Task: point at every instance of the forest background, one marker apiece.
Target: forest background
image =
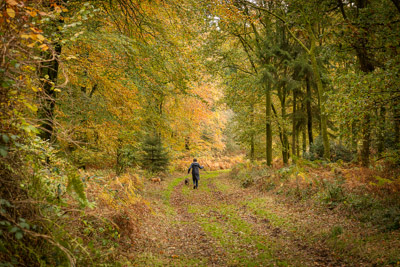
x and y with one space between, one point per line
115 92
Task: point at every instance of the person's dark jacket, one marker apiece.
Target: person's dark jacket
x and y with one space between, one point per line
195 170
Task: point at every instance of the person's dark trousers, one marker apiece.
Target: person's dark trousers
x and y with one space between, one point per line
195 183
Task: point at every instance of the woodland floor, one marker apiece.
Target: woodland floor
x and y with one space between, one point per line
223 224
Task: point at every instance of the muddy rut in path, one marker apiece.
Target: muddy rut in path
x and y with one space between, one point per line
193 241
288 246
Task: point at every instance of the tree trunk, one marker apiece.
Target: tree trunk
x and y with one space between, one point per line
304 139
268 124
187 143
252 154
294 127
321 94
366 132
354 136
285 141
309 113
49 72
298 142
285 148
397 126
381 130
252 145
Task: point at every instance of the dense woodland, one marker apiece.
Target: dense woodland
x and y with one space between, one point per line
100 97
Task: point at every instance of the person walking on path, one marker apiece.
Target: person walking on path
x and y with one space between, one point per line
195 173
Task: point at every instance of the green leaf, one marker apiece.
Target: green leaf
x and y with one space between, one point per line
19 235
14 229
5 137
5 202
3 151
5 223
24 225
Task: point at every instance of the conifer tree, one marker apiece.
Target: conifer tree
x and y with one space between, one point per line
155 157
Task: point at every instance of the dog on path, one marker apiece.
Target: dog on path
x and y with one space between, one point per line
156 180
187 181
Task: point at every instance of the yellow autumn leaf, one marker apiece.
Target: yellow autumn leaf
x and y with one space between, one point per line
32 13
10 12
12 2
34 108
24 36
44 47
40 37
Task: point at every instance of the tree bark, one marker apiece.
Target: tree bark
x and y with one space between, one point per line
354 137
381 130
321 94
366 132
294 126
268 127
304 139
397 127
252 141
309 113
285 141
49 72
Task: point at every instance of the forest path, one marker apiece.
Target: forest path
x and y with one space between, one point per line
223 224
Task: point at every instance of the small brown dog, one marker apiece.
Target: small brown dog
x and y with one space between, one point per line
187 181
156 180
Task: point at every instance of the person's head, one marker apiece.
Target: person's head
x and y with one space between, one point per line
194 160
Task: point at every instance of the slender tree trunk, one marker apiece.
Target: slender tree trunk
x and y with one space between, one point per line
381 130
366 132
268 124
294 133
252 154
285 141
49 72
321 94
298 142
396 126
285 148
304 139
187 143
354 136
252 139
309 113
119 167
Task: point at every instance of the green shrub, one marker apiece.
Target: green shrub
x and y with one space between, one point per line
332 193
366 208
338 151
31 221
126 157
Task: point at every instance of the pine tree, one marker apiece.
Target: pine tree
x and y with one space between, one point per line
155 157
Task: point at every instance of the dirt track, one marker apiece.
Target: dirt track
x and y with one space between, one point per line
222 224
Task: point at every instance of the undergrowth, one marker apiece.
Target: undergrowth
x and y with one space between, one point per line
51 214
367 197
